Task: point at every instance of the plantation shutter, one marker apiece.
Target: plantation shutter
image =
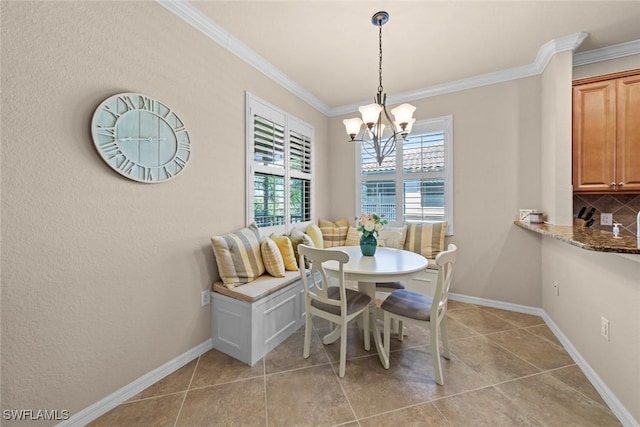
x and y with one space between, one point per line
279 173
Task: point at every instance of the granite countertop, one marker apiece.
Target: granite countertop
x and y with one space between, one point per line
586 238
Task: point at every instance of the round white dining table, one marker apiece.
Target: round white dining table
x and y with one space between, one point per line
387 265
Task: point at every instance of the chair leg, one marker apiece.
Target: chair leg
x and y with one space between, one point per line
435 352
400 330
366 322
343 349
445 337
387 337
307 335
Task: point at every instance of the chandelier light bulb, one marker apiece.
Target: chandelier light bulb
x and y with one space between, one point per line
352 126
403 113
370 113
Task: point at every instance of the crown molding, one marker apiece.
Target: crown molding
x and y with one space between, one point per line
184 10
545 54
607 53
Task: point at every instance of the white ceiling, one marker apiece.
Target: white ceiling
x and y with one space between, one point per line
330 48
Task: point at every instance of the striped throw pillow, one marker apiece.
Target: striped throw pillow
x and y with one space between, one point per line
272 258
334 233
427 238
238 256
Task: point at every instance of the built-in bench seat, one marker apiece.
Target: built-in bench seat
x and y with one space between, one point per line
259 301
250 320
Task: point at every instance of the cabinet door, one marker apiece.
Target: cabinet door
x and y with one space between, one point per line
628 134
594 134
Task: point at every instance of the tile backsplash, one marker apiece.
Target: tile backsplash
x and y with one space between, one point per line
624 208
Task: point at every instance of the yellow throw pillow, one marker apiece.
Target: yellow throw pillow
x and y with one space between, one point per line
272 258
286 250
334 233
403 233
316 235
427 238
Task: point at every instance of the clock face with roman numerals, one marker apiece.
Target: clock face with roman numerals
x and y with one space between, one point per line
140 138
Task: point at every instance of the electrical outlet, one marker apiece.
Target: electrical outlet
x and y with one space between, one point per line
556 286
205 298
606 219
605 328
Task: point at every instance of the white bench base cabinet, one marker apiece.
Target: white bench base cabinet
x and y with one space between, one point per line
423 282
247 331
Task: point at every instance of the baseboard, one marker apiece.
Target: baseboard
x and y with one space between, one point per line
497 304
103 406
607 395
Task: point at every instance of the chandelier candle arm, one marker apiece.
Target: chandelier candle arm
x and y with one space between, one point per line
375 115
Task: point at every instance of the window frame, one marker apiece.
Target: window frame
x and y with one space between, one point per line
439 124
290 123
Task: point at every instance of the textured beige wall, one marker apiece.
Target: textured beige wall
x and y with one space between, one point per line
592 284
557 192
595 284
496 133
101 276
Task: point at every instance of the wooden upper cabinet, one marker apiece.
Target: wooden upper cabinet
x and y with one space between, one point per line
606 135
628 135
594 133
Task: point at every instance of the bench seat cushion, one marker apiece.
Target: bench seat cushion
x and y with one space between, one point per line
259 288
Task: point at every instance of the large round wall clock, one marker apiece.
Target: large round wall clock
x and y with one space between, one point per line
140 138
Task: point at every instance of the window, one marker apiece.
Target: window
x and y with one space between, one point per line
279 167
414 183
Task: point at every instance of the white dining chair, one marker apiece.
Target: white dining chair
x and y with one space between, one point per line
336 304
425 311
389 239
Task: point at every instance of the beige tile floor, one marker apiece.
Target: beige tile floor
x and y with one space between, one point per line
506 369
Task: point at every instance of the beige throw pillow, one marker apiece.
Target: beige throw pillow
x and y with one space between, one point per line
272 258
353 237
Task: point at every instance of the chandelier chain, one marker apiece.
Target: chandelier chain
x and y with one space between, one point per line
380 89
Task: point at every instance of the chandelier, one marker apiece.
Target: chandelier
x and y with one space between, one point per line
380 134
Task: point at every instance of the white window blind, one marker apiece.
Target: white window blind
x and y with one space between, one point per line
414 183
279 169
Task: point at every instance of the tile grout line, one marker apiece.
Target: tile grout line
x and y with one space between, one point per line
225 383
266 396
187 392
541 372
353 412
516 404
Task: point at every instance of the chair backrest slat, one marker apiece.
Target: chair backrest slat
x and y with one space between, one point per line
316 288
445 261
